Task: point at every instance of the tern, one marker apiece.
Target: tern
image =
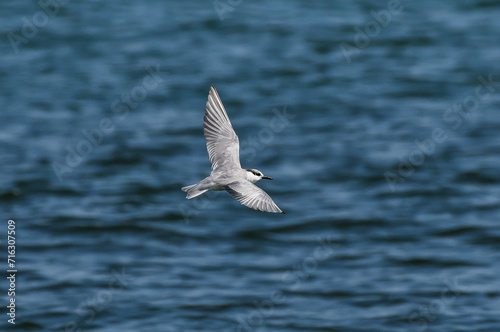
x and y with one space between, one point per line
224 151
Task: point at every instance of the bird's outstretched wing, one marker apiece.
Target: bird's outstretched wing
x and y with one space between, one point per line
252 196
222 143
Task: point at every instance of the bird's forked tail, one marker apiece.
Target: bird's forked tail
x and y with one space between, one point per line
193 190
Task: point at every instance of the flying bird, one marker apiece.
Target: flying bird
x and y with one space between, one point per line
224 151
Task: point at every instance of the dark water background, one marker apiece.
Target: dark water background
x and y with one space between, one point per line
385 154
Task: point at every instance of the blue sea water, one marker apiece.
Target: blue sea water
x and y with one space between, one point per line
378 121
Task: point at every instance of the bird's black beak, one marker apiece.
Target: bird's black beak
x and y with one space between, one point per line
267 178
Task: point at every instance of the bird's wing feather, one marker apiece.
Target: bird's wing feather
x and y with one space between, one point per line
252 196
222 143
